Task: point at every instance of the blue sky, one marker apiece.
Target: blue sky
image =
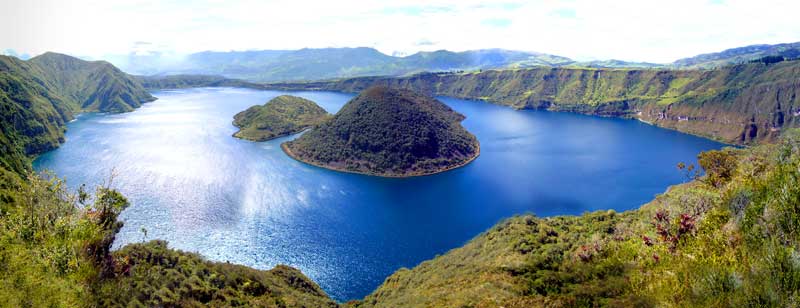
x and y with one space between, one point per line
635 30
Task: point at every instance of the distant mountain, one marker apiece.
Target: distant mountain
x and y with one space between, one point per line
38 97
388 132
617 64
192 81
281 116
328 63
740 55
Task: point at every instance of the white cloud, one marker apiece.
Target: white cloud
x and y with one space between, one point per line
656 31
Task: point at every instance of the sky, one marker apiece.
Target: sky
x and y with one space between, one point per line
632 30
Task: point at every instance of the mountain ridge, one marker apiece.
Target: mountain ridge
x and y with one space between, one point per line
39 96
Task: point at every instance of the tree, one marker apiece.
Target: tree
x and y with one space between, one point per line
719 166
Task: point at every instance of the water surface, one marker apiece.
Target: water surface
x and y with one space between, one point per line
202 190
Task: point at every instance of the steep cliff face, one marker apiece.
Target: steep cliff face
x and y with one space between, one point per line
739 104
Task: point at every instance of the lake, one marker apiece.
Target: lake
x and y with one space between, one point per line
192 184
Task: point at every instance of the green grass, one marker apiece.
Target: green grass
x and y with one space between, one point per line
727 239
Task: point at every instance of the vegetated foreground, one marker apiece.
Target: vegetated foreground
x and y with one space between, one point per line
388 132
726 239
281 116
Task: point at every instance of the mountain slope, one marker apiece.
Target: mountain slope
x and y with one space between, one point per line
388 132
95 86
38 97
728 239
281 116
740 104
32 116
739 55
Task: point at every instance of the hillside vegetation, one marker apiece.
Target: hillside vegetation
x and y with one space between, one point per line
55 243
741 104
727 239
38 97
281 116
55 252
388 132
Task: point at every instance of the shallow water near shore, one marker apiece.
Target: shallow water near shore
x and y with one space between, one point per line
191 183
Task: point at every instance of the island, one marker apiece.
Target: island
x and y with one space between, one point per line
388 132
281 116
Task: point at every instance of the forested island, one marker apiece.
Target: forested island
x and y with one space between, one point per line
388 132
281 116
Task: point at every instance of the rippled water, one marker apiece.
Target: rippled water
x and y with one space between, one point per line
194 185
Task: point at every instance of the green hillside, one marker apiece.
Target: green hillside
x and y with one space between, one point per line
94 86
727 239
741 104
37 98
388 132
281 116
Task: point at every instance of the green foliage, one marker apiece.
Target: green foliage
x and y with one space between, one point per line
48 242
55 252
388 132
150 274
719 166
281 116
735 243
38 97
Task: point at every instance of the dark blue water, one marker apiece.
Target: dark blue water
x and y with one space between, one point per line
194 185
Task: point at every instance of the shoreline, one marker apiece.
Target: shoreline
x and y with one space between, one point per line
289 153
268 139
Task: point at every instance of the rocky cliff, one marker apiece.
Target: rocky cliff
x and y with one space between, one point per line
740 104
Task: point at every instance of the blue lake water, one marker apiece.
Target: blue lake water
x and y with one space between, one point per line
202 190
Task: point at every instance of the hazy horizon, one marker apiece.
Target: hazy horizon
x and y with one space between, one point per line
647 31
